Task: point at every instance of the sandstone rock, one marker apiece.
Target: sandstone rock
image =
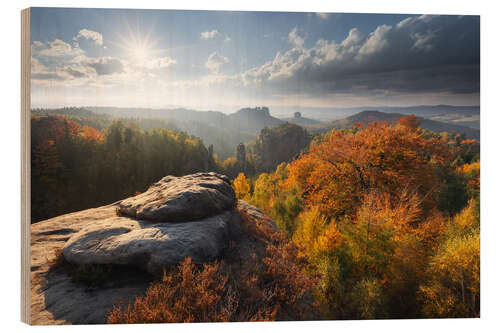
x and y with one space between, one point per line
146 245
255 213
179 199
55 298
99 236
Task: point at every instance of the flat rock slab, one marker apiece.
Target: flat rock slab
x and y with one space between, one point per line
146 245
180 199
56 299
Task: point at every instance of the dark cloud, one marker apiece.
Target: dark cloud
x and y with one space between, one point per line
105 66
74 73
419 54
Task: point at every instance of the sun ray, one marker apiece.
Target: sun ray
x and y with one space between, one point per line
138 47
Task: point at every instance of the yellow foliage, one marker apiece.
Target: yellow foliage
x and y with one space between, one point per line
241 186
472 168
467 218
262 193
315 233
454 286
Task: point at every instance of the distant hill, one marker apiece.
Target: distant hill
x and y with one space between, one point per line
247 120
366 117
457 115
69 111
297 119
468 116
180 114
428 111
252 120
215 128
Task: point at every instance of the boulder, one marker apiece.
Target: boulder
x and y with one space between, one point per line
180 199
200 225
255 213
146 245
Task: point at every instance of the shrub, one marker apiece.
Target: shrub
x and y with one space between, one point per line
186 294
273 287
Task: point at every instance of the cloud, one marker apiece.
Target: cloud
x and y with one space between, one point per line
159 63
214 34
80 70
215 62
424 53
37 44
74 73
323 16
210 34
37 66
295 39
48 76
58 63
419 57
41 73
104 65
56 48
90 35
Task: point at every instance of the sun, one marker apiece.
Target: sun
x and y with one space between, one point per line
139 52
138 47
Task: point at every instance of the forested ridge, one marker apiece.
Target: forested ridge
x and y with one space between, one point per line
388 217
81 159
379 220
76 166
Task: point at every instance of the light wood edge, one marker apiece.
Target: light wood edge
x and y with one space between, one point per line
25 166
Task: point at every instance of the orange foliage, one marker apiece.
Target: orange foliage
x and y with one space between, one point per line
188 294
92 134
405 218
59 126
472 173
337 173
410 122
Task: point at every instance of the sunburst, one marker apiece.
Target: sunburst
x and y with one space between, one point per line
138 47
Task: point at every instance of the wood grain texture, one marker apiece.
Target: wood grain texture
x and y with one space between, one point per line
25 165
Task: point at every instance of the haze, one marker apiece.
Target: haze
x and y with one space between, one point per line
216 60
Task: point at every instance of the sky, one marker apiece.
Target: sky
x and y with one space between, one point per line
222 60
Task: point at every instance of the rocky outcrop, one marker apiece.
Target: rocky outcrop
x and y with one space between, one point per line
177 199
105 235
279 144
146 245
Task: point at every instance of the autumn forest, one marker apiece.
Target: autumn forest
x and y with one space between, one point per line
238 166
380 220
